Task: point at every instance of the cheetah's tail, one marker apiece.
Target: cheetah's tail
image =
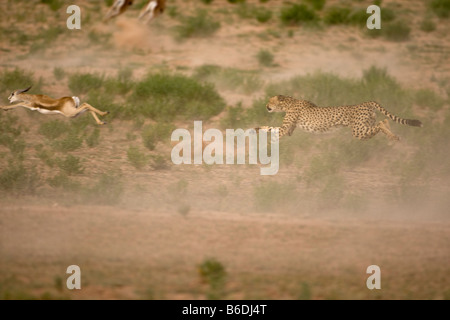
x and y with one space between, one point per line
409 122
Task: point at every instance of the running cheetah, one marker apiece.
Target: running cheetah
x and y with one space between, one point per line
306 115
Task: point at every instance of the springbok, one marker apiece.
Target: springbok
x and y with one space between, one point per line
67 106
119 7
153 9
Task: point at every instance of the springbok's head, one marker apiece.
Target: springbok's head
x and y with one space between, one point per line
15 95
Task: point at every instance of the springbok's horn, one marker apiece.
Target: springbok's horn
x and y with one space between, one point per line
24 90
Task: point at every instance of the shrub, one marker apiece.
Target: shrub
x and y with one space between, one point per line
168 96
263 15
54 5
16 178
427 25
207 1
159 162
71 165
316 4
83 83
71 142
427 98
337 15
18 79
265 58
441 8
151 134
396 31
296 14
59 73
199 25
213 273
53 129
137 158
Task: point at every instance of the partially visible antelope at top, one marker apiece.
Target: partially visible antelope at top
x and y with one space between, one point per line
152 9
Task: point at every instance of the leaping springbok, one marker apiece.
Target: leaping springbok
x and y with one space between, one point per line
67 106
119 7
152 9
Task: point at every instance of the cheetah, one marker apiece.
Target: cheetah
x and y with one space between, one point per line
309 117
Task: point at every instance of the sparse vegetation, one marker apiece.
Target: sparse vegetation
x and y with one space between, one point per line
396 31
137 158
441 8
198 25
265 58
213 273
296 14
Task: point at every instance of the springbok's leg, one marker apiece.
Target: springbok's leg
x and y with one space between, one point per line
13 106
93 111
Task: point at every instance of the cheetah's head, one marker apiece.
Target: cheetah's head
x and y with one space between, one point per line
277 104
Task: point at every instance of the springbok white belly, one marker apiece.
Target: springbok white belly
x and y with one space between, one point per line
45 111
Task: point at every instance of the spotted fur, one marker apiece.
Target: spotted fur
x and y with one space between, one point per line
309 117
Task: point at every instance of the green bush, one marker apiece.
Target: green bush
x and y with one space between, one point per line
71 165
337 15
11 80
59 73
427 25
207 1
53 129
151 134
137 158
71 142
16 178
427 98
316 4
441 8
199 25
265 58
263 15
165 96
396 31
214 274
82 83
296 14
54 5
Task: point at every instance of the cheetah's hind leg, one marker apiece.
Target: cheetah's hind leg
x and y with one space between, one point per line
386 129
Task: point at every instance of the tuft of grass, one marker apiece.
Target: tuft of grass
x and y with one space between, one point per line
82 83
11 80
71 165
265 58
137 158
167 97
54 5
427 25
213 273
207 1
53 129
93 139
64 182
316 4
441 8
17 179
396 31
197 26
71 142
151 134
159 162
296 14
337 15
59 73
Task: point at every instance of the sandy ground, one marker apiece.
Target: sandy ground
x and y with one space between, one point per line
148 251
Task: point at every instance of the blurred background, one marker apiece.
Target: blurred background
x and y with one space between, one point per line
110 200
